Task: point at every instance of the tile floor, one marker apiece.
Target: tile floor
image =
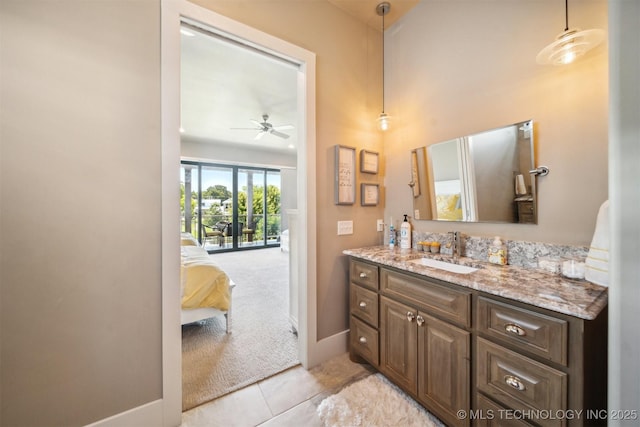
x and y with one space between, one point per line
286 399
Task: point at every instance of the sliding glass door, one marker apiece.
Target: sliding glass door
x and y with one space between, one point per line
231 207
259 207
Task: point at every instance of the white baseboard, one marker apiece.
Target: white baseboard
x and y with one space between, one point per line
149 414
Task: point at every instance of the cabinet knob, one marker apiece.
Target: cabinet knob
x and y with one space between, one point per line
512 328
420 320
410 316
363 340
363 304
514 382
363 275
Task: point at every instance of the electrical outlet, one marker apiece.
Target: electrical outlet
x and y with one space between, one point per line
345 227
380 225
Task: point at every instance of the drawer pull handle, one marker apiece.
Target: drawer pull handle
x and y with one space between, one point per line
420 320
514 382
363 304
410 316
515 329
363 275
363 340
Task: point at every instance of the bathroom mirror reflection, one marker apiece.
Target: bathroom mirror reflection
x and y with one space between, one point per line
482 177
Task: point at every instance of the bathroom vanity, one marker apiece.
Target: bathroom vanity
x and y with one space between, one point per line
480 344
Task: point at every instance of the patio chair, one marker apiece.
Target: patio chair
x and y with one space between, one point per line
249 230
214 233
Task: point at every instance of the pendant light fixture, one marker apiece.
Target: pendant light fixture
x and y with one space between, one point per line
570 44
383 120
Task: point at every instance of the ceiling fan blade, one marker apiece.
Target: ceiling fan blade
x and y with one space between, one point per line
283 127
260 129
259 136
255 122
280 134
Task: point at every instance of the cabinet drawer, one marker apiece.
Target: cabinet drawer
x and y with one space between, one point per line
364 304
528 330
491 414
526 212
364 274
519 382
364 340
444 302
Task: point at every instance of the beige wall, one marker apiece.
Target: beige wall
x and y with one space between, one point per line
348 101
458 67
80 192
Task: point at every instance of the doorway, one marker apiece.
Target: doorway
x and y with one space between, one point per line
173 13
232 206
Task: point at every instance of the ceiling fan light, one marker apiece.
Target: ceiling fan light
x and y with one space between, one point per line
570 45
383 121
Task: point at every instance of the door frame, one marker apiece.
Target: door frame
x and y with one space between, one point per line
173 12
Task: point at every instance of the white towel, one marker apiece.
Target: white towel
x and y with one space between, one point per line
521 189
597 263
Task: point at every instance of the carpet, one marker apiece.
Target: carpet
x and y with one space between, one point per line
374 401
261 343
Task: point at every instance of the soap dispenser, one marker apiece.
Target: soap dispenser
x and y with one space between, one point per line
498 252
405 234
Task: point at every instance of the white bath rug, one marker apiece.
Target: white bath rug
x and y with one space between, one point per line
374 401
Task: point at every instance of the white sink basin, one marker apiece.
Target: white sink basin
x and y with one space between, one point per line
443 265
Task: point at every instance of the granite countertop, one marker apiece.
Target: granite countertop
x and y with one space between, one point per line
578 298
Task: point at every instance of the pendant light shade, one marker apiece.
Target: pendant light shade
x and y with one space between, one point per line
570 44
383 119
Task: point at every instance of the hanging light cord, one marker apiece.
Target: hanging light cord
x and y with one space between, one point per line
566 15
383 13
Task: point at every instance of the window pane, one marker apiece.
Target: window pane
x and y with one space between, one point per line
251 206
217 207
274 212
189 199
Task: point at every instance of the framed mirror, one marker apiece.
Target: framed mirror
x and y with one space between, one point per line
482 177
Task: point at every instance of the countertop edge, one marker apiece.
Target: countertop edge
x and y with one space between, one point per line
581 299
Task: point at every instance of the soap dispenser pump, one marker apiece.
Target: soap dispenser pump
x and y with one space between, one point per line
405 234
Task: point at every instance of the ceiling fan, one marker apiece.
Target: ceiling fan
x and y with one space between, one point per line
265 127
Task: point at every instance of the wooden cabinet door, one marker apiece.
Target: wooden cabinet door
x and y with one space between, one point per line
398 343
443 368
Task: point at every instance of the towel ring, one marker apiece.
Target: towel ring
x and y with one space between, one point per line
540 171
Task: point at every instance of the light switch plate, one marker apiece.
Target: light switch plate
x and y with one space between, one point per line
345 227
379 225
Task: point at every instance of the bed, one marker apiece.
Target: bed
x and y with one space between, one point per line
205 289
448 203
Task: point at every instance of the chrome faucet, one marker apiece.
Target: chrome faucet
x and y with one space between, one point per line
455 243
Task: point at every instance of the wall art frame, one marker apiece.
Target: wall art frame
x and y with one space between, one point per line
369 161
369 194
345 175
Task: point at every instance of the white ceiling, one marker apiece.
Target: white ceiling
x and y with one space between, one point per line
225 85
